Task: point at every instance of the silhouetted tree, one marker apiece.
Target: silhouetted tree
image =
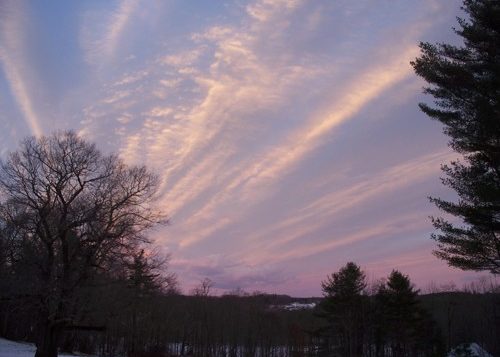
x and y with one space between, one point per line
147 280
203 288
465 82
342 308
399 313
403 327
73 214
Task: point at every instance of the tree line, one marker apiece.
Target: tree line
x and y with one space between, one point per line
139 317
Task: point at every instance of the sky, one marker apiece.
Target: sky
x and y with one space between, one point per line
286 133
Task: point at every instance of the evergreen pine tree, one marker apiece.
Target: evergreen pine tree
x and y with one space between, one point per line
343 310
398 302
143 279
403 326
145 282
465 82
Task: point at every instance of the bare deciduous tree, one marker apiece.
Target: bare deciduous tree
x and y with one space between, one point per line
72 213
203 288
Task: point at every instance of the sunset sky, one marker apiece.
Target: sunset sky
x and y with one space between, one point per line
286 132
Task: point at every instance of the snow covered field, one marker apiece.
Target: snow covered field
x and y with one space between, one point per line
19 349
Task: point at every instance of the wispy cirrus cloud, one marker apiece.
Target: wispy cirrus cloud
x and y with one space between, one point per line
399 225
235 85
13 55
250 179
206 104
101 41
267 10
312 216
118 23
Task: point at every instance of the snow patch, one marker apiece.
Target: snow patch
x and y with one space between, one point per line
299 306
20 349
469 350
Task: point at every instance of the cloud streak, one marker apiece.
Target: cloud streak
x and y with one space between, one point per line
196 143
273 165
310 218
100 47
12 56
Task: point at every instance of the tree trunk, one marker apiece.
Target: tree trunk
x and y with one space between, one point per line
48 339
